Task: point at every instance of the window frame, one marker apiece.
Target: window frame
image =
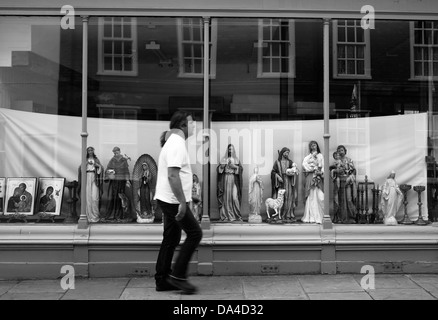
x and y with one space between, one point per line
412 46
213 49
101 69
292 47
367 52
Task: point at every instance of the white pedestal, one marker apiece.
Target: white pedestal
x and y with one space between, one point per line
255 218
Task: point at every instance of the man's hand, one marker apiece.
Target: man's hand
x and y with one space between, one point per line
182 208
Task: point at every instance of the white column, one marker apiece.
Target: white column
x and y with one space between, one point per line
431 134
205 223
327 222
83 221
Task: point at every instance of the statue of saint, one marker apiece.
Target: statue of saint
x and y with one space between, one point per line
196 203
93 185
313 168
144 180
284 175
345 189
255 195
229 186
392 199
117 173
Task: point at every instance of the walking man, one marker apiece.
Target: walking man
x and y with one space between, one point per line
173 194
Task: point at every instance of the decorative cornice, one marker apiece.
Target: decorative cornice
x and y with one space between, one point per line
401 9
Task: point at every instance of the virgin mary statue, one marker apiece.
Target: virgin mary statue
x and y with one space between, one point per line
229 186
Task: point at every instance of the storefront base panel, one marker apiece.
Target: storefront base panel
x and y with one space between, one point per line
128 269
388 267
40 251
266 267
31 270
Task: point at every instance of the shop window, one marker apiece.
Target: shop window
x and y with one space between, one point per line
424 49
276 48
117 47
191 47
351 50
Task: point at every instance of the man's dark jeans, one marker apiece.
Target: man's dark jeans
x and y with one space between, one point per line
171 239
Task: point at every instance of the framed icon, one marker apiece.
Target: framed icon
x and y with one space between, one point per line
20 196
50 194
2 195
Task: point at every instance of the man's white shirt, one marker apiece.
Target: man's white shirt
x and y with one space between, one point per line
174 154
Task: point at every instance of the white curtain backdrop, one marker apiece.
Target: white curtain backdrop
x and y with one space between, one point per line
42 145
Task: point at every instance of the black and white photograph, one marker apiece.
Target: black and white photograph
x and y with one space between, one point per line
262 150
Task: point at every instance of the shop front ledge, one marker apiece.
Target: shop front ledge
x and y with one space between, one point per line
222 234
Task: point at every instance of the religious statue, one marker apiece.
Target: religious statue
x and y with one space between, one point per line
392 199
345 189
229 186
93 185
196 203
255 196
144 180
313 168
118 176
284 175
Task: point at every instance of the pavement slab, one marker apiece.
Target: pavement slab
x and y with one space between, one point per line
5 286
273 288
428 282
149 294
213 297
400 294
97 289
390 281
218 285
32 296
340 296
146 282
38 286
332 283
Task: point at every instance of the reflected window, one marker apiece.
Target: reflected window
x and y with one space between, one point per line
191 47
424 49
276 48
117 46
351 50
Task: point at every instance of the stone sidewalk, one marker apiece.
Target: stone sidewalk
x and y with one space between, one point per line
281 287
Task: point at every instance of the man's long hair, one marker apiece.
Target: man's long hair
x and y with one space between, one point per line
178 120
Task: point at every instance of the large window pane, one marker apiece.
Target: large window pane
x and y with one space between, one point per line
40 95
130 110
386 111
268 84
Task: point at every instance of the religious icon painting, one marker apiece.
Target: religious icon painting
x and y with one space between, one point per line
2 195
50 194
20 195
